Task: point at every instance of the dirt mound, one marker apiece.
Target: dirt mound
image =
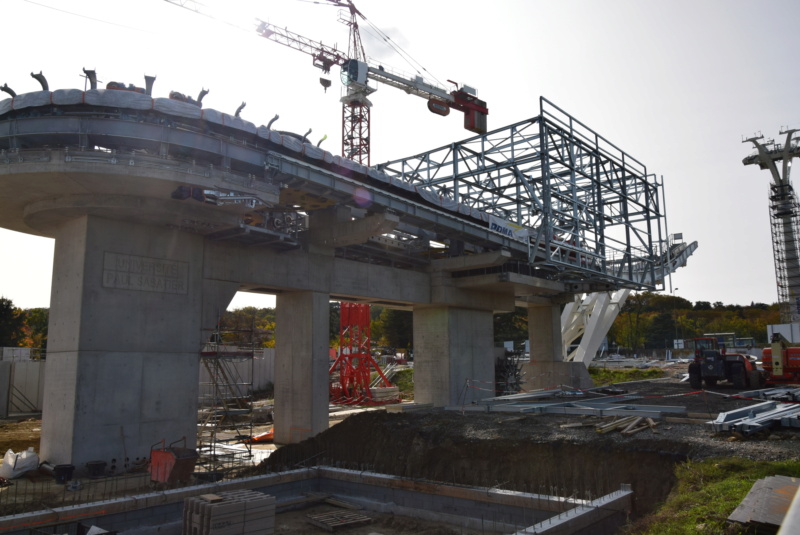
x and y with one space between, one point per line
490 451
534 452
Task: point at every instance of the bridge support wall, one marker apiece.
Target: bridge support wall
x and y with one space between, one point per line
125 322
547 368
453 355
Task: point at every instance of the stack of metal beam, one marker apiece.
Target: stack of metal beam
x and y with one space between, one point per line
755 418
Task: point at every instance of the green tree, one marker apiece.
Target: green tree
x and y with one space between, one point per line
248 325
630 329
511 326
37 320
12 324
661 331
334 325
394 328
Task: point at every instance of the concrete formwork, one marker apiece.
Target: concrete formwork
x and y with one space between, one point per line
468 507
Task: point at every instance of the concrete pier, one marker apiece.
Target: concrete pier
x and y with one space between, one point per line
301 365
122 360
453 356
547 368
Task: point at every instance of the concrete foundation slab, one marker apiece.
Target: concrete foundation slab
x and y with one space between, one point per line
471 507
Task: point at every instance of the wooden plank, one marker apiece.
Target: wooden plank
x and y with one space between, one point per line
633 424
616 424
336 519
342 503
577 424
632 431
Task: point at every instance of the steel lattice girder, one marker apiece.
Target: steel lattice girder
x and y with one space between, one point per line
587 204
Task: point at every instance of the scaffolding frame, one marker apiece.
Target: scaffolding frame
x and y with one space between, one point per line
350 374
784 212
226 401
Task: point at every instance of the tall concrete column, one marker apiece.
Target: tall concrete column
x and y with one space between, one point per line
453 355
547 368
301 365
123 345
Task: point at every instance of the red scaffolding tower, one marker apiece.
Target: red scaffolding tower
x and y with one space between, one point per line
351 371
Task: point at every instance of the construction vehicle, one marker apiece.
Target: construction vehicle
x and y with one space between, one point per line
781 363
713 364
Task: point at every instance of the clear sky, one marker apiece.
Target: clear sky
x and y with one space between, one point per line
675 84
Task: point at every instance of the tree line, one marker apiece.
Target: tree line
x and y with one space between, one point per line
22 327
653 321
647 321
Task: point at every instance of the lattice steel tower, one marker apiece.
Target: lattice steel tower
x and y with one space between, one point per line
784 211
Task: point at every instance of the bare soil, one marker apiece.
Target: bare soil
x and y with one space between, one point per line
20 434
535 453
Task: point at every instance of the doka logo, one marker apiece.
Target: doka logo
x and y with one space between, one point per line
501 230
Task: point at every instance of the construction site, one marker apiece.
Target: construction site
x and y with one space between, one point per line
163 209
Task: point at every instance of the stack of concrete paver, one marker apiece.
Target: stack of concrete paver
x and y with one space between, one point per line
237 512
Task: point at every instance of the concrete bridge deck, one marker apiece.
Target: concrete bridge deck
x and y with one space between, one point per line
162 211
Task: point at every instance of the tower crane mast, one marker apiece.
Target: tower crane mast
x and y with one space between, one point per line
356 72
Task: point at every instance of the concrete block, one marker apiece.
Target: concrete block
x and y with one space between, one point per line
236 512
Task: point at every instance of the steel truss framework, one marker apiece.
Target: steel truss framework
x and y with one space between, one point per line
784 211
588 206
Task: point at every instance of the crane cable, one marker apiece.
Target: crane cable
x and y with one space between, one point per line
414 64
372 29
380 35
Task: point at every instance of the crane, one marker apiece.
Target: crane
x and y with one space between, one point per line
784 215
356 72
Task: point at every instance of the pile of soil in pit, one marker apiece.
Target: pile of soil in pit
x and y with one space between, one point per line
521 453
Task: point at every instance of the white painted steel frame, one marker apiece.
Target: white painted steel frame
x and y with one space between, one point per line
592 210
